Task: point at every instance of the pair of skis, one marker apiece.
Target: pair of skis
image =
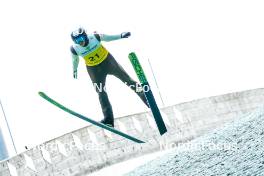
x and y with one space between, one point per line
149 95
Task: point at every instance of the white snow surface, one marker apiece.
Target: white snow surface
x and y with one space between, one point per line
235 149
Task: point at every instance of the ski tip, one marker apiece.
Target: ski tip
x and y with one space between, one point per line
41 93
132 54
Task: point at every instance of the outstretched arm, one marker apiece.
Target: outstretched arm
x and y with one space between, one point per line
75 62
108 38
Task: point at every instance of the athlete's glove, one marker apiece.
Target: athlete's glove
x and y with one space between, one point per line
75 74
125 34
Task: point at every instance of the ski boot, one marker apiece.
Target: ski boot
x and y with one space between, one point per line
108 123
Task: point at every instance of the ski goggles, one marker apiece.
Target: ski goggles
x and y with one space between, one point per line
79 35
79 39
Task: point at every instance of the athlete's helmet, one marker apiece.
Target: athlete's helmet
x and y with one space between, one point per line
79 36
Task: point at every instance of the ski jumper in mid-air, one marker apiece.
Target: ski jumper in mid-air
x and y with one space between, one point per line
99 63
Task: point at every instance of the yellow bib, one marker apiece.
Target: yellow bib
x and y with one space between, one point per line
96 57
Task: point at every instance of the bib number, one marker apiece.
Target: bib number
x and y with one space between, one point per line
93 58
96 57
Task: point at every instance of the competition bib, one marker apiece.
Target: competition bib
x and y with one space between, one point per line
96 57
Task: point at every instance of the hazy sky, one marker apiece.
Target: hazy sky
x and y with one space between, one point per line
197 49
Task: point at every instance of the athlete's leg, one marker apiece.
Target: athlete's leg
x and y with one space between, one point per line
118 71
98 77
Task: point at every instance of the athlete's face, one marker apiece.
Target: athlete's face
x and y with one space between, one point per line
80 40
82 43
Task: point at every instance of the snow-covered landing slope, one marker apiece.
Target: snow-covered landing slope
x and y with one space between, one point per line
236 149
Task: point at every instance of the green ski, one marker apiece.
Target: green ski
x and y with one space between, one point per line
113 130
149 95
